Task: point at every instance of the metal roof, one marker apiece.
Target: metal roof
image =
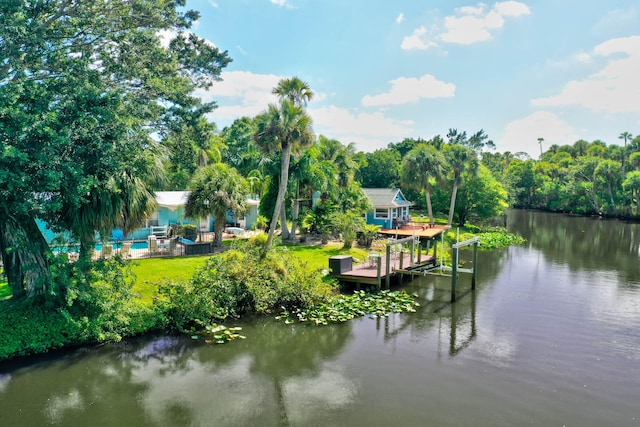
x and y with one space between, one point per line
386 197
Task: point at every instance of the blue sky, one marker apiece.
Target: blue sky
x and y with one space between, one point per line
562 70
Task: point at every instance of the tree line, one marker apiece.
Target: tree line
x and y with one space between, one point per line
97 111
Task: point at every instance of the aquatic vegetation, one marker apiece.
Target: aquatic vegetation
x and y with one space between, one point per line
499 240
221 334
347 307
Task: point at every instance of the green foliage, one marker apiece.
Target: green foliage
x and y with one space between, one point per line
380 169
346 307
78 141
221 334
347 224
499 239
367 235
242 281
190 231
97 309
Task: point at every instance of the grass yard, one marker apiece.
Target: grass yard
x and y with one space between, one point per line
317 257
151 272
5 290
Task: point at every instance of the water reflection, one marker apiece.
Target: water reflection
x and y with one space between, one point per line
549 337
582 243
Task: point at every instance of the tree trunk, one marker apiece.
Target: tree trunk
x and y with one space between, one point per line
296 210
284 177
427 195
452 206
24 255
283 222
218 229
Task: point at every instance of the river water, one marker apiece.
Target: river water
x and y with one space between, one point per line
550 337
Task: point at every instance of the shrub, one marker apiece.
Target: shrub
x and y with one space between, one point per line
240 281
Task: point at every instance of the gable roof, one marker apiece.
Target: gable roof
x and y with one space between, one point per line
386 197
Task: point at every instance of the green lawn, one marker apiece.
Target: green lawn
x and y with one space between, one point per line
317 257
5 291
151 272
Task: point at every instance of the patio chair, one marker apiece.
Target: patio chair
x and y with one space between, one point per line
107 251
153 244
125 251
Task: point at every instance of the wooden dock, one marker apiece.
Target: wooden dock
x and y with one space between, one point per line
423 231
379 268
374 271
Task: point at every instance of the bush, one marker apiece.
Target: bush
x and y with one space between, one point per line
81 308
189 231
240 281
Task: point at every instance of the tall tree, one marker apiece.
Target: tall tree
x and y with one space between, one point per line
83 86
420 166
624 136
460 159
287 128
216 190
299 93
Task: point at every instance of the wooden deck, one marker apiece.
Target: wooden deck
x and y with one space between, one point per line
424 231
367 272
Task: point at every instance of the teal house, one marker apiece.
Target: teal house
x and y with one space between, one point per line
390 207
171 211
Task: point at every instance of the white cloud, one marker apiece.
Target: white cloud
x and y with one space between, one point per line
279 2
400 18
212 3
241 93
613 89
410 89
523 134
417 40
369 131
511 8
468 25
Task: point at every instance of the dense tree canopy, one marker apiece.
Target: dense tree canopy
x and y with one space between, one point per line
87 92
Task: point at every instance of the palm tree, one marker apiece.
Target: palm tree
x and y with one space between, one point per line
419 166
123 201
288 128
299 93
626 136
540 141
460 159
295 90
215 190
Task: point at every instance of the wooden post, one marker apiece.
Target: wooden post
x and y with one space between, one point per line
411 252
387 279
378 271
454 274
419 253
401 263
435 249
475 263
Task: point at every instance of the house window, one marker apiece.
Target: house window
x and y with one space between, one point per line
152 220
381 214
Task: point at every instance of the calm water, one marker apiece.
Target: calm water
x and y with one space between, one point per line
551 337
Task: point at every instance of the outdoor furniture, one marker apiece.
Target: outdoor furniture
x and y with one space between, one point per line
125 251
373 258
107 250
153 244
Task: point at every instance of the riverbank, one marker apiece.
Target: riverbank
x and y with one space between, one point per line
132 298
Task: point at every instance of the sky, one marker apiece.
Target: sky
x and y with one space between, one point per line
382 71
